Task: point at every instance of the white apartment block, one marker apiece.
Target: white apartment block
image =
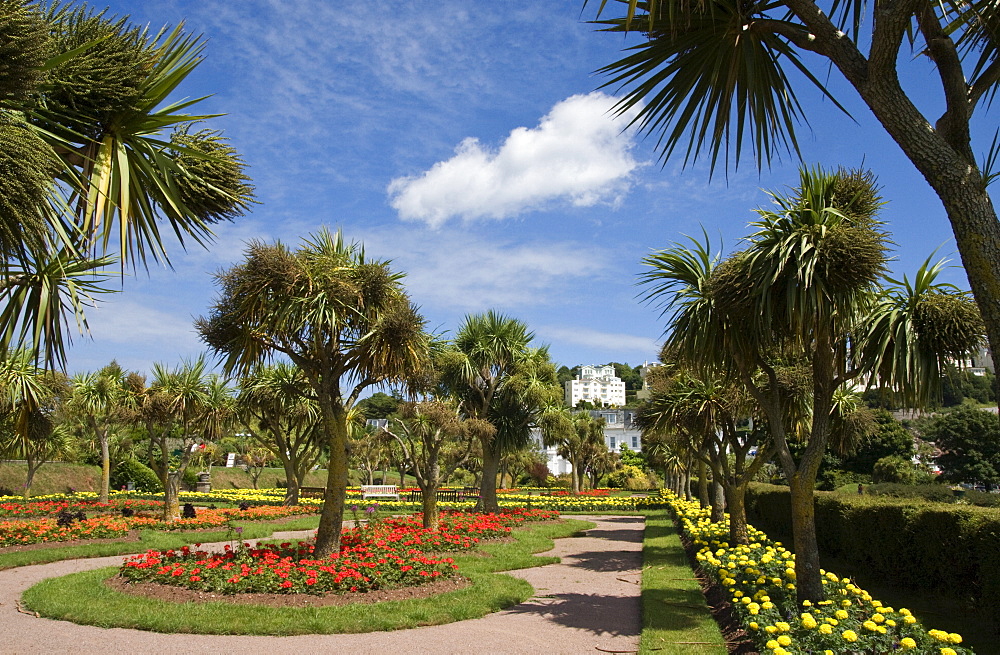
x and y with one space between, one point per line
596 384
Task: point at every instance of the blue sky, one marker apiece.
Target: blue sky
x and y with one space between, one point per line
467 142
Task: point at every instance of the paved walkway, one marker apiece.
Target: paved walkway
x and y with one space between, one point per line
587 603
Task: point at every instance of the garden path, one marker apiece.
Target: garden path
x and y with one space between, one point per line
587 603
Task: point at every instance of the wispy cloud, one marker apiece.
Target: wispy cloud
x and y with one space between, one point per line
576 155
606 341
127 323
472 272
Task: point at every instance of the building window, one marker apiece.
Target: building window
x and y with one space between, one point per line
611 442
635 442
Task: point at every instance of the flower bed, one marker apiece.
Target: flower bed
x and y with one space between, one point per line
761 579
384 554
45 530
37 508
23 533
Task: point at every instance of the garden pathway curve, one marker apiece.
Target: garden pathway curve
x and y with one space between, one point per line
587 603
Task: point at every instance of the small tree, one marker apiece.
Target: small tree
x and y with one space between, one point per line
570 434
423 430
345 321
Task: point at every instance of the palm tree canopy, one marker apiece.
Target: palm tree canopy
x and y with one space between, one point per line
325 305
717 76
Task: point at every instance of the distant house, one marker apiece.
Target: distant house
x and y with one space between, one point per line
646 391
619 430
598 385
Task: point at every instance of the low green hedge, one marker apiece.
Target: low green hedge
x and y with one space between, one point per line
951 549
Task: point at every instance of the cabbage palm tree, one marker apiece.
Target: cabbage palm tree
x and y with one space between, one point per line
275 405
571 434
804 295
99 162
498 377
98 399
29 399
344 320
712 77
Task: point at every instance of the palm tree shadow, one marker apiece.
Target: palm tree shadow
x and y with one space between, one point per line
605 561
599 614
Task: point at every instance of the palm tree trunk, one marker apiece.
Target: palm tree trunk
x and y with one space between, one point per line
718 501
332 516
102 435
736 501
703 498
171 497
488 494
429 486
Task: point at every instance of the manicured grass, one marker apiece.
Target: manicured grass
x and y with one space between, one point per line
82 598
153 540
675 617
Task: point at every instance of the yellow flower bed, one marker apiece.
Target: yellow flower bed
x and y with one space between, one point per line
761 580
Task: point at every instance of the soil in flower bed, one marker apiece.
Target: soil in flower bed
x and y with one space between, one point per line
133 535
172 594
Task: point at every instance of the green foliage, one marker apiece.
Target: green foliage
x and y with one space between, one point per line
929 546
628 477
141 476
891 438
379 405
957 385
630 457
894 469
970 444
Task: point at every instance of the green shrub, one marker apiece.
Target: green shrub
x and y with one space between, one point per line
934 493
628 477
894 468
141 476
902 541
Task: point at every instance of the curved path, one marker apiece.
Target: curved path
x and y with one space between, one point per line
587 603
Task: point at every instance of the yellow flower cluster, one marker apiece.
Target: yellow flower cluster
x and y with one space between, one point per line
761 580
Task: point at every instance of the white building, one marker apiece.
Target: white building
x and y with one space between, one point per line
646 392
619 430
597 385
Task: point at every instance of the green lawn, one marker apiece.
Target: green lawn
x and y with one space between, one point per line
675 617
82 598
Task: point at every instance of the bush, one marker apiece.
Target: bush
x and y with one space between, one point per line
894 469
141 476
628 477
935 493
947 549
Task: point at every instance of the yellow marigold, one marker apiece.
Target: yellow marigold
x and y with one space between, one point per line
808 622
841 614
772 644
849 635
770 629
905 612
781 625
907 642
785 640
753 625
826 629
909 619
955 638
948 651
878 618
768 605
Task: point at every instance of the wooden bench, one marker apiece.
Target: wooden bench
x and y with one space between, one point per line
379 491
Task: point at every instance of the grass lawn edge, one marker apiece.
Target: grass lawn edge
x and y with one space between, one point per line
83 598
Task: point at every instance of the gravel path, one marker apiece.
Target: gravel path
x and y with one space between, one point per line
587 603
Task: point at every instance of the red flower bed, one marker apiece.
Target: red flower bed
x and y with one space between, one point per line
389 553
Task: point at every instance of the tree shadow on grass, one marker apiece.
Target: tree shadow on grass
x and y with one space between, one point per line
596 613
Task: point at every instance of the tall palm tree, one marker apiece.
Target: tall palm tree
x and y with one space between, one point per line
29 399
344 320
98 160
803 292
194 401
710 77
498 377
275 405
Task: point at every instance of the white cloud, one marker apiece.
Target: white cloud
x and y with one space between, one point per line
577 154
127 323
471 273
606 341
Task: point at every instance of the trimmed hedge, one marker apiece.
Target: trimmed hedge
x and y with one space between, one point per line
946 548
